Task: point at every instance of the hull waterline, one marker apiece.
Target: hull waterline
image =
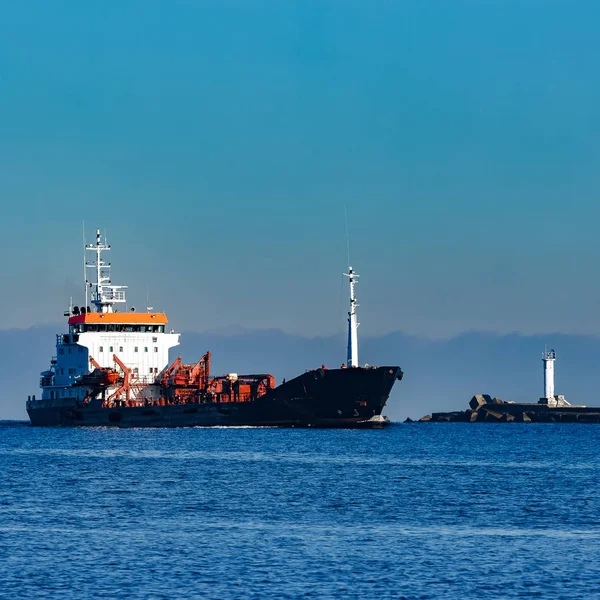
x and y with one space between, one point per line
320 398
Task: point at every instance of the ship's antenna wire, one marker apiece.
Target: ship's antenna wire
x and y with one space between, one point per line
84 269
352 357
342 282
342 304
347 235
148 307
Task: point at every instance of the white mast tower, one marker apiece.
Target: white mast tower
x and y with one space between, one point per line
548 358
352 322
105 295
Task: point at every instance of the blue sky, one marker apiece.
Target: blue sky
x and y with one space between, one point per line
218 143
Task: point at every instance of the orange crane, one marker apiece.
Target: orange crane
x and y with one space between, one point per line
169 370
200 372
126 386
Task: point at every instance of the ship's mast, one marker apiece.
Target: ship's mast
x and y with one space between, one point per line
352 322
105 294
85 283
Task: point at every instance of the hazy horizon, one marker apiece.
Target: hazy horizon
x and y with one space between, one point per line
439 374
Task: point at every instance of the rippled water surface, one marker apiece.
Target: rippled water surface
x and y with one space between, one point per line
417 511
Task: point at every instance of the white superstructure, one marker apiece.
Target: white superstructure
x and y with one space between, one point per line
133 345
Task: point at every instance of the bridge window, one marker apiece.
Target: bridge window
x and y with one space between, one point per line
110 348
120 348
145 348
101 348
155 348
118 327
135 349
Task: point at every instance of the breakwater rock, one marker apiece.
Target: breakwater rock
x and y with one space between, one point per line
486 409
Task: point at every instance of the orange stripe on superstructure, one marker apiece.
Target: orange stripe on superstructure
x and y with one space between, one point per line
124 318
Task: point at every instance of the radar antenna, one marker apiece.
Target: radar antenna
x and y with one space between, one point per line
105 294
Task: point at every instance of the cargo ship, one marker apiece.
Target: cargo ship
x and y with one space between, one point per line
112 368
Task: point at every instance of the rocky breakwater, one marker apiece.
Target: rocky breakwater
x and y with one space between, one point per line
485 409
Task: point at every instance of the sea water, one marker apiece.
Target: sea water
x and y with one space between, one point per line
430 510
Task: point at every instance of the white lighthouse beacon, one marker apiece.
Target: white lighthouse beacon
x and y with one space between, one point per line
548 358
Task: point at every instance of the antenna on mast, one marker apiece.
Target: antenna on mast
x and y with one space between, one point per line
85 285
347 236
106 294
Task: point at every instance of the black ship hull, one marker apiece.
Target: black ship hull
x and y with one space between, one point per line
319 398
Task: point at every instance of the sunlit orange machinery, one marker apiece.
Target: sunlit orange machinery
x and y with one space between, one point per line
185 383
192 383
240 388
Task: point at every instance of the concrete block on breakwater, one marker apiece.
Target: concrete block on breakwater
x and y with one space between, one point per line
488 409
